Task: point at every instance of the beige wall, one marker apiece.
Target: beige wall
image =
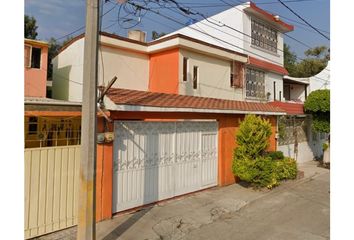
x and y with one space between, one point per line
131 69
214 77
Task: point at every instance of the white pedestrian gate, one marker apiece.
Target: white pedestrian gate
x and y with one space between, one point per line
159 160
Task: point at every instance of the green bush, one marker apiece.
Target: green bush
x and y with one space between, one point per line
325 146
259 172
252 163
318 105
275 155
252 137
285 169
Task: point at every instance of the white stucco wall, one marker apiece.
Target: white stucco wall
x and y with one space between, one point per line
297 92
214 77
235 18
68 73
131 69
321 80
270 78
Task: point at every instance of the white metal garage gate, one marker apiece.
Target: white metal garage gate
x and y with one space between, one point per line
159 160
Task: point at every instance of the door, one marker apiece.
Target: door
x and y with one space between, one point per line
159 160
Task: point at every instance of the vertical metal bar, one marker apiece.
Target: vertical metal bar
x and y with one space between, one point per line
87 187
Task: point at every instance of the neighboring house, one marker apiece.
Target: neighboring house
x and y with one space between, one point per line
249 30
35 62
296 137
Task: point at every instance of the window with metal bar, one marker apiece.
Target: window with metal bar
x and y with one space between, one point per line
255 84
263 36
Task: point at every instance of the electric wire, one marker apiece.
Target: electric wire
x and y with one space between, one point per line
303 20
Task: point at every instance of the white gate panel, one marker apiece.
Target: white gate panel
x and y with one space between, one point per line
159 160
209 154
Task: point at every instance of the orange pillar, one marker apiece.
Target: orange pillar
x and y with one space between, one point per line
104 177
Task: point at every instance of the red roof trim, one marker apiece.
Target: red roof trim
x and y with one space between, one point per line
167 100
267 66
271 17
290 108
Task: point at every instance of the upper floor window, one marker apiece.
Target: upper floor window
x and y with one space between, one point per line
185 68
195 77
36 58
32 57
255 84
264 36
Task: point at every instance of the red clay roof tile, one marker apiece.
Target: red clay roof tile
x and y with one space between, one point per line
153 99
290 108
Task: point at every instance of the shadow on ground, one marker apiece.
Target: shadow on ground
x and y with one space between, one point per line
119 230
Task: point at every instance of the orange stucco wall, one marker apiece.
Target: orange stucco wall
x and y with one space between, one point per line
163 76
228 126
104 175
36 79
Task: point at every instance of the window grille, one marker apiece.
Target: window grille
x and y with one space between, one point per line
255 84
263 36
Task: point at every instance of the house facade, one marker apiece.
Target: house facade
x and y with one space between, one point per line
296 137
35 65
189 62
176 105
252 31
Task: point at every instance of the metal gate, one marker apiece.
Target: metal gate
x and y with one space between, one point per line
159 160
51 189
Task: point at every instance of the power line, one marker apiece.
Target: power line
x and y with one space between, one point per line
303 20
236 30
298 41
83 27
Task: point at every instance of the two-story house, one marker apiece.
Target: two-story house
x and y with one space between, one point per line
175 108
36 57
48 122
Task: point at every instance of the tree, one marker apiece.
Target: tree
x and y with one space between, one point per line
30 27
156 35
289 60
316 60
252 137
318 105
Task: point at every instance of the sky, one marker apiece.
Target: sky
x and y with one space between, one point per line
58 18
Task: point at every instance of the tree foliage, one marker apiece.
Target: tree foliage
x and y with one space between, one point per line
156 35
318 105
316 60
253 137
252 163
289 60
30 27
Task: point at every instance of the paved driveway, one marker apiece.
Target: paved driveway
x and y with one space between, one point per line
295 210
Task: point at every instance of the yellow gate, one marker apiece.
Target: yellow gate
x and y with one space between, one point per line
51 188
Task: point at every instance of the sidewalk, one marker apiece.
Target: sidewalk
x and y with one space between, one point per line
175 218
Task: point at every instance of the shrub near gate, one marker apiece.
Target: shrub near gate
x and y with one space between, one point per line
252 163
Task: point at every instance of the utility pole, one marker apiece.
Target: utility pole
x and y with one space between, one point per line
87 189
